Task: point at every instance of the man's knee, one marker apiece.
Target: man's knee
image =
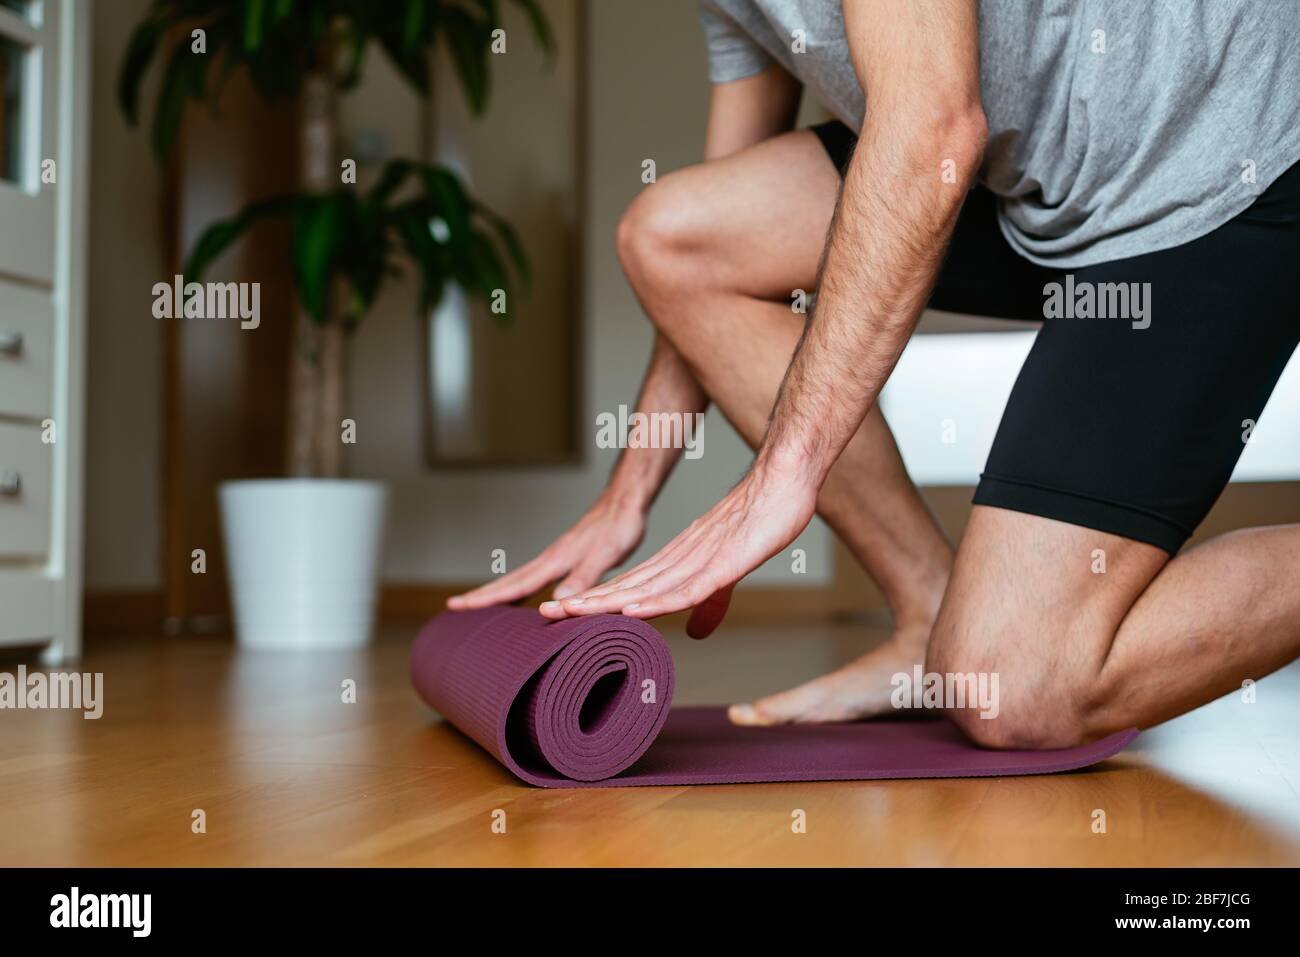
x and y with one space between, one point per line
657 236
1027 699
1026 723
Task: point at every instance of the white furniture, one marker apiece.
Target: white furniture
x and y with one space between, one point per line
945 398
43 191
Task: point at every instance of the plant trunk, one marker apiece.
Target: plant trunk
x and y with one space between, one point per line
316 365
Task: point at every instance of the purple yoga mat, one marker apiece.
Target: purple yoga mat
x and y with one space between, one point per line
584 702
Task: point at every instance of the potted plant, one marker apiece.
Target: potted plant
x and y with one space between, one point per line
303 551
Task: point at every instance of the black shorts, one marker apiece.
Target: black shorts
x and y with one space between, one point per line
1132 431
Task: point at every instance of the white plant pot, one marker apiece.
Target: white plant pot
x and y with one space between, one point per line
302 557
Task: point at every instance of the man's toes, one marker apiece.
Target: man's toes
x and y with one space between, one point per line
805 703
860 689
746 715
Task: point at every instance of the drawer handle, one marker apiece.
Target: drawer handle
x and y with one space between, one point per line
11 483
11 343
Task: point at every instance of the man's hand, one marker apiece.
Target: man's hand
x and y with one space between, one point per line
698 568
601 539
922 142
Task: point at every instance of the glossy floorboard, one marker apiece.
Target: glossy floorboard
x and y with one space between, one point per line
286 773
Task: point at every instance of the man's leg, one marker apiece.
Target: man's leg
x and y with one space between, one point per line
1080 654
715 253
1119 436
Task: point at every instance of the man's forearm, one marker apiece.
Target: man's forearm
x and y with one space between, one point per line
669 387
887 239
922 142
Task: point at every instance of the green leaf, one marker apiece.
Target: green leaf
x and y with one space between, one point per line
541 27
214 241
317 235
413 23
139 53
511 241
367 270
489 271
447 200
183 79
280 10
469 39
254 11
413 229
222 234
392 177
413 65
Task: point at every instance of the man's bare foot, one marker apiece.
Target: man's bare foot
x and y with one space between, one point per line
860 689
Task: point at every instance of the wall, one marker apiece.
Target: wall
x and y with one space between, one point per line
124 348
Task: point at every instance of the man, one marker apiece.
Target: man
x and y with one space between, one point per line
1004 147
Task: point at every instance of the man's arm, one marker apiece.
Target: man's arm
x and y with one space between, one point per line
745 112
741 113
919 63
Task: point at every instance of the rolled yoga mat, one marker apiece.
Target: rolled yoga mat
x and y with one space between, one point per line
584 702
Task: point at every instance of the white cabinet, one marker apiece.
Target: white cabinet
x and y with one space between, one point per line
26 512
26 363
44 68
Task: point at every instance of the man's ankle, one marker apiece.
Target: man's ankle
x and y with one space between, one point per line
912 634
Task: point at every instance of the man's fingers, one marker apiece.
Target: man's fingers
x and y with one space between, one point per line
656 564
674 568
608 599
572 585
523 579
668 600
520 583
582 578
609 602
625 600
628 579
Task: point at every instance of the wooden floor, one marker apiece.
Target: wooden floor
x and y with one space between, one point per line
287 774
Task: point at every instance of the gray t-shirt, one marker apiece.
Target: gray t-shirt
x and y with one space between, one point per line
1116 127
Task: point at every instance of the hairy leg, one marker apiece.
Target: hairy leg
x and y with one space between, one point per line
1135 427
1218 614
1081 653
716 254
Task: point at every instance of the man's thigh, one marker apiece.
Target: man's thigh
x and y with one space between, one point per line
1133 407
